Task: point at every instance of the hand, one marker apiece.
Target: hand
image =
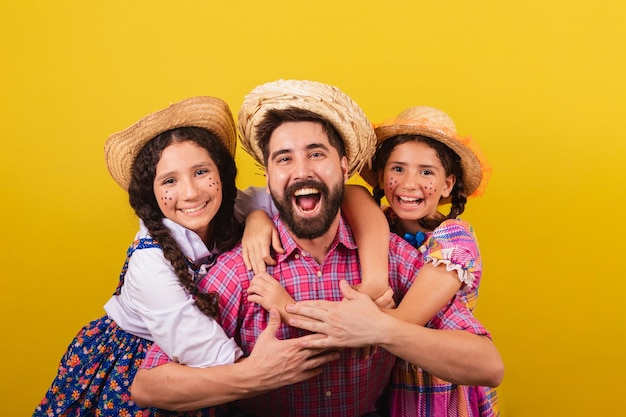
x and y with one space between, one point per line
266 291
258 235
277 363
354 322
386 299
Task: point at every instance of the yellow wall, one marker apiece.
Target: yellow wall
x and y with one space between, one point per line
539 84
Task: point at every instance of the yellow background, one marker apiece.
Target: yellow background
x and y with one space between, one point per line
540 85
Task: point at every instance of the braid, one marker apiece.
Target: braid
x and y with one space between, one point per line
207 303
378 193
458 200
142 199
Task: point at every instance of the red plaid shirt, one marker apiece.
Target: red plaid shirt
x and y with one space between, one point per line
347 387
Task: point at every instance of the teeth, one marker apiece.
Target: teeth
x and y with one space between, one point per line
409 199
194 209
306 191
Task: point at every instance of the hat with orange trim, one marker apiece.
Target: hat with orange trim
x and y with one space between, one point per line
436 124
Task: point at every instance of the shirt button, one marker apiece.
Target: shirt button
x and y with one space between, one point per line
328 393
297 256
319 274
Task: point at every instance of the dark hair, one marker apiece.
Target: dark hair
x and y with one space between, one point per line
226 229
449 159
274 118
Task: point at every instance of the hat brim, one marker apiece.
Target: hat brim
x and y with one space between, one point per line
471 165
322 99
210 113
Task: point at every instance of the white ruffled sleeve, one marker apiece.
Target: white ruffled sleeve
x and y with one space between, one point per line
183 332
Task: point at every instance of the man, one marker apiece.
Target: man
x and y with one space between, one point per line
311 137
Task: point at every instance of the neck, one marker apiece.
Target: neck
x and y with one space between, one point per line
319 246
411 226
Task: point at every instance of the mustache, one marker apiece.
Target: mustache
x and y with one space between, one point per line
291 189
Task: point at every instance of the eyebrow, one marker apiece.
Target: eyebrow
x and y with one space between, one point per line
309 147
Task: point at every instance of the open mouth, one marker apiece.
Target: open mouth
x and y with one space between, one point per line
307 199
409 201
194 209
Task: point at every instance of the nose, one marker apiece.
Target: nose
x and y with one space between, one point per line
188 189
410 181
303 169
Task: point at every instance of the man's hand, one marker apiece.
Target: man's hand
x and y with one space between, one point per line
284 362
355 321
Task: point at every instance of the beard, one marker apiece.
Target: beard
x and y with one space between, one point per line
309 228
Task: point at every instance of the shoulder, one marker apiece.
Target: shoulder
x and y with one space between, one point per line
454 229
401 250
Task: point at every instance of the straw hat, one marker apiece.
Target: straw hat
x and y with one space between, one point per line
435 124
210 113
323 99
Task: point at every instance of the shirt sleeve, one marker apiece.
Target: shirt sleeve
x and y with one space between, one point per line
454 245
251 199
184 333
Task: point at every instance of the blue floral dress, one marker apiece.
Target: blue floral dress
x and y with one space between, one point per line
96 372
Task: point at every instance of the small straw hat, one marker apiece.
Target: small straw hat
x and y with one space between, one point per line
210 113
325 100
435 124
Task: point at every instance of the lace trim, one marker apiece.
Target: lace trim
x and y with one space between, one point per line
465 276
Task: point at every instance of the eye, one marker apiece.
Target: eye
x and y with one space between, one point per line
427 172
317 154
168 181
201 171
396 168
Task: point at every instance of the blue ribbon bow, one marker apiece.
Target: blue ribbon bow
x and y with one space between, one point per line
415 239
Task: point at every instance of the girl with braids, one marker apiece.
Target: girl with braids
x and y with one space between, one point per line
178 168
421 163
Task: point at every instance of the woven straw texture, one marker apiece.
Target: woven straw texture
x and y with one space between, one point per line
210 113
436 124
325 100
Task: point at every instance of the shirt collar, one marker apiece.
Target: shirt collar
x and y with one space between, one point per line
344 237
189 242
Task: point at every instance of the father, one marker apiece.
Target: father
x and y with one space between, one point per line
311 137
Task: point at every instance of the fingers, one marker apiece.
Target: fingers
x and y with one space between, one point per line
276 244
348 292
386 300
246 258
314 326
311 309
272 325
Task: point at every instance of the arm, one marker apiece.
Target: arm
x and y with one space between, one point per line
371 232
273 363
457 356
267 291
168 315
258 234
452 259
433 288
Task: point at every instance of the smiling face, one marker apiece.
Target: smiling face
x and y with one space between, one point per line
414 180
305 176
187 187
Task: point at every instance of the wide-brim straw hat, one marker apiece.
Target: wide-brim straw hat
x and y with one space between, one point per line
210 113
324 100
436 124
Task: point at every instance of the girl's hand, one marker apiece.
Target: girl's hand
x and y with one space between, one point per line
266 291
258 235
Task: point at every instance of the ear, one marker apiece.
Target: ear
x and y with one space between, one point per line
344 168
267 182
448 185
